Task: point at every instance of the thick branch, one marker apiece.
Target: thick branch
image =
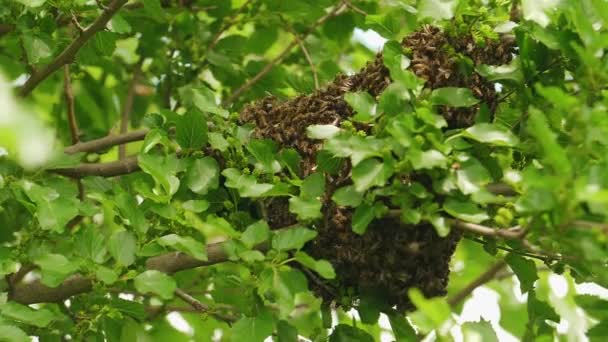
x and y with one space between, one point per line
235 95
111 169
101 144
67 55
36 292
482 279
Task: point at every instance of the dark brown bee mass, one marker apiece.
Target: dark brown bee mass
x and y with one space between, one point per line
390 257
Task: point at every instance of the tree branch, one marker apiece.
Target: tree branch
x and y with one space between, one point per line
313 68
111 169
515 233
127 107
6 28
101 144
477 282
335 11
67 55
36 292
603 227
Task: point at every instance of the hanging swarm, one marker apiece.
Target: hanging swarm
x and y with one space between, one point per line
390 257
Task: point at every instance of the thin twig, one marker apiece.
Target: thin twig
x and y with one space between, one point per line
514 233
201 307
128 107
603 227
483 278
69 53
313 68
195 303
355 8
335 11
74 132
544 258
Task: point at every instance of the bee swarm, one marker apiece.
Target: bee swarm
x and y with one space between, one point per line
390 257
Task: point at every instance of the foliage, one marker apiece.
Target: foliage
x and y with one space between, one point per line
501 138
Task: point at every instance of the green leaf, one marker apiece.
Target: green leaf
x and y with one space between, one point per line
130 210
196 206
537 11
492 134
122 245
524 269
427 159
363 216
435 310
313 186
493 73
354 146
363 104
156 282
218 142
104 42
191 130
203 99
552 151
185 244
255 234
466 211
106 275
292 238
305 209
290 159
440 224
322 131
286 332
479 331
153 9
54 210
265 152
254 329
40 318
32 3
252 256
369 173
370 305
402 329
35 48
55 268
247 185
347 196
322 267
437 9
453 97
203 175
11 333
162 169
119 24
472 176
346 333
